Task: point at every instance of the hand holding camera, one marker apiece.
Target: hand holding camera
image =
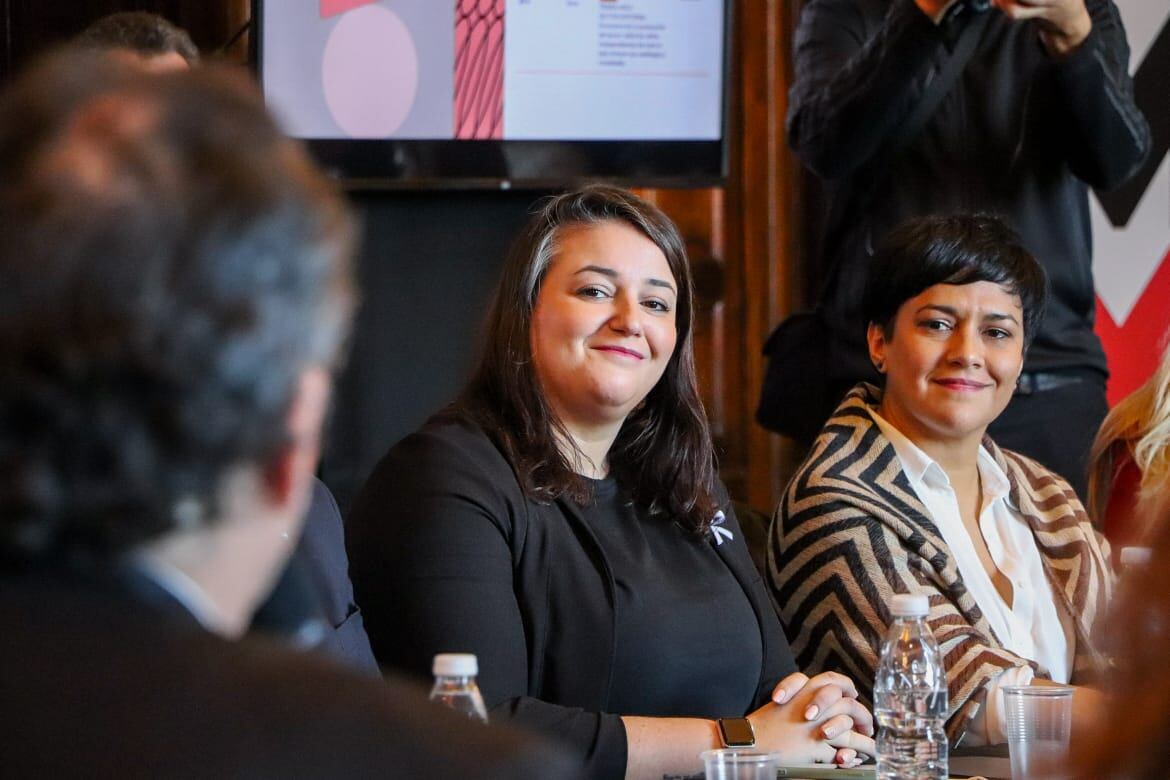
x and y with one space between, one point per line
1063 24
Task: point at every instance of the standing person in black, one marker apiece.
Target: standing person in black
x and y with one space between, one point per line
175 288
1041 110
565 521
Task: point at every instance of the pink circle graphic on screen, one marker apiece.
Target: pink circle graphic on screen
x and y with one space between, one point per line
370 72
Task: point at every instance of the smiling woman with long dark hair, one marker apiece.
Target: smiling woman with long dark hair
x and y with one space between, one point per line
564 521
903 492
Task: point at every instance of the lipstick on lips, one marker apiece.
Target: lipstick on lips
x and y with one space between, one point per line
961 384
621 351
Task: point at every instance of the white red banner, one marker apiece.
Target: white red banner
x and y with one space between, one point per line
1131 226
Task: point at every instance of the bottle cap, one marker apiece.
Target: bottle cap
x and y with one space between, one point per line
910 605
455 665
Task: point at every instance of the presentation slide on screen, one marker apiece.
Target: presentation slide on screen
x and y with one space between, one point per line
508 69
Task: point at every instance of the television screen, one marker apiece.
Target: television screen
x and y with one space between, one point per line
501 92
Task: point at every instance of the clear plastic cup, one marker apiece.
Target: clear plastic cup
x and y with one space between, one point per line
1039 721
740 764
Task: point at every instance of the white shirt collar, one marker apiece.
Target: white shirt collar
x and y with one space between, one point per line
915 462
920 468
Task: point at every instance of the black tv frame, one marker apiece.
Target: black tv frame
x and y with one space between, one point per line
506 164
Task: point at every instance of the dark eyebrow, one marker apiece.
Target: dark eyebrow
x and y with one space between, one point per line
612 274
953 312
597 269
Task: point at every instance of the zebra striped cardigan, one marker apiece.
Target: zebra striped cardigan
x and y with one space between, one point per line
850 533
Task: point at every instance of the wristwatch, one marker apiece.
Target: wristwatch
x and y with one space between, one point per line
736 732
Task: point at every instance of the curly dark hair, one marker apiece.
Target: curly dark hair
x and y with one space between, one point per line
663 454
143 33
171 265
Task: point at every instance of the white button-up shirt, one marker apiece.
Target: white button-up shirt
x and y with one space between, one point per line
1032 626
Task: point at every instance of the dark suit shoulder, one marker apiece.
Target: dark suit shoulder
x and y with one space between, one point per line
134 695
321 552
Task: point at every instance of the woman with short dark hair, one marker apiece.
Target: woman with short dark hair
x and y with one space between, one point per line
565 523
903 492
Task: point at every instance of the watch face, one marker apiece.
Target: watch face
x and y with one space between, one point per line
737 732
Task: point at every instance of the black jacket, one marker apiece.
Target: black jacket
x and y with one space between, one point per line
1020 135
101 677
447 554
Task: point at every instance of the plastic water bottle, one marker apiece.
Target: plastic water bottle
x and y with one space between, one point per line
910 697
455 685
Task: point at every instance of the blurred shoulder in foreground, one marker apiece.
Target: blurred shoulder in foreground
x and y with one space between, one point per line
175 291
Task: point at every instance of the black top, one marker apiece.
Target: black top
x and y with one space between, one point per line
1021 134
713 643
447 554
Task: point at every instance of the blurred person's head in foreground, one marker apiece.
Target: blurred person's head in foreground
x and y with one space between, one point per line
143 38
175 288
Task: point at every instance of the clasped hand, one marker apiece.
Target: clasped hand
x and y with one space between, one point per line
817 720
1064 24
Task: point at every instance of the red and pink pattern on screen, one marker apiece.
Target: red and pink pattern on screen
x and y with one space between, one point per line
335 7
479 69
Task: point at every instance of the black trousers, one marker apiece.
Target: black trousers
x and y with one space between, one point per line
1056 427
